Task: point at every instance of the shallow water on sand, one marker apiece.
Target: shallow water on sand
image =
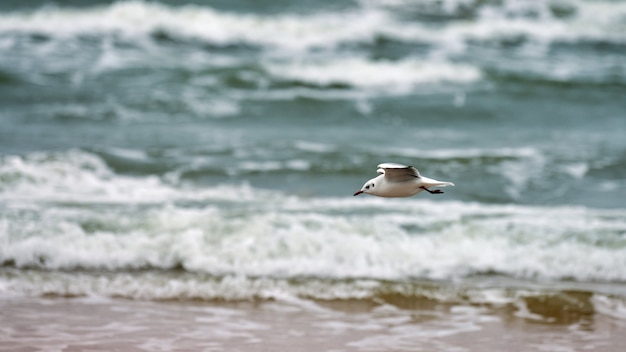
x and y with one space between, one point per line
200 158
99 324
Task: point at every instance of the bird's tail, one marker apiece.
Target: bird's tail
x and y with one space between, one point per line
429 182
440 184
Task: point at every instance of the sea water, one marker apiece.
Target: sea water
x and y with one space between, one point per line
209 151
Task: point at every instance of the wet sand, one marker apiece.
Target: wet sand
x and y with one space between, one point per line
103 324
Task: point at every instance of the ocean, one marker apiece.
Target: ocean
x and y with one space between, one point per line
178 176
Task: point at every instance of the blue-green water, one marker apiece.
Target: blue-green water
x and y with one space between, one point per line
210 150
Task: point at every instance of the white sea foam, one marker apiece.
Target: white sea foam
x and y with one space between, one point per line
77 176
134 18
612 306
72 176
383 75
588 20
129 222
303 47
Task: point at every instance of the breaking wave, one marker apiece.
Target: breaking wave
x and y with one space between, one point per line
101 220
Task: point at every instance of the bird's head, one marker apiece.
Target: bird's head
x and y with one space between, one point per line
368 187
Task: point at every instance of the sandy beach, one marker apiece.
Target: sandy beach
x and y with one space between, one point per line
179 175
104 324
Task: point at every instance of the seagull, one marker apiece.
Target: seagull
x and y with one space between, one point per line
397 180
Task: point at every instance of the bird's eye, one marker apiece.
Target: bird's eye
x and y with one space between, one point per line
367 187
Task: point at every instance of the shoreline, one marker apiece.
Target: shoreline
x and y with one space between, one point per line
99 324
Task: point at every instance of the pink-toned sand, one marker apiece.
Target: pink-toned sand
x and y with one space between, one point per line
92 324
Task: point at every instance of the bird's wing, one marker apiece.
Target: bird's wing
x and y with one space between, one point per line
398 172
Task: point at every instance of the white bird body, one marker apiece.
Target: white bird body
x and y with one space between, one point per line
397 180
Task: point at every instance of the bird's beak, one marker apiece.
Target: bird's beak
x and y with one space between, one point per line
358 192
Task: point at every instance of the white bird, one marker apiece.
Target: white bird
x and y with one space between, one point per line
397 180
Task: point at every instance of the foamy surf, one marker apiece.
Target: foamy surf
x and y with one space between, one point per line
384 76
324 55
570 21
145 222
181 176
563 303
139 18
